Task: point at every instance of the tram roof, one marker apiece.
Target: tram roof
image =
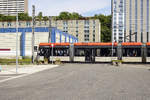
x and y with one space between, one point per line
55 44
131 44
94 44
148 44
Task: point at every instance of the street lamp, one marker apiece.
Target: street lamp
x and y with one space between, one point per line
17 38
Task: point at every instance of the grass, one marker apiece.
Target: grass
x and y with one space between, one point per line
117 61
13 61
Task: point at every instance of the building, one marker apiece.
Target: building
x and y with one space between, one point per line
11 7
8 40
85 30
118 20
131 20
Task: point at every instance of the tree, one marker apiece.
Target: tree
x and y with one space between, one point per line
67 16
40 16
64 16
24 17
45 18
105 27
75 15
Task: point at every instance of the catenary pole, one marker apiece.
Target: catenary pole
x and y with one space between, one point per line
112 26
50 29
17 38
33 32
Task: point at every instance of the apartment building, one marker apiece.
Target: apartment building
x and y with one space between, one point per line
85 30
11 7
131 20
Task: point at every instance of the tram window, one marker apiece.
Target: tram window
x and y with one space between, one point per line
148 52
132 52
105 52
98 54
61 52
79 52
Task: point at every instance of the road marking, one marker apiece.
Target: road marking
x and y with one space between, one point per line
27 74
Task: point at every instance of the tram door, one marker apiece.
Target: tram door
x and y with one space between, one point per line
89 55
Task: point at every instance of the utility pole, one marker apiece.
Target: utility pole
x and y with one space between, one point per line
33 32
112 8
17 39
50 29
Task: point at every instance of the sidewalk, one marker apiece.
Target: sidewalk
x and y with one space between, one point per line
24 69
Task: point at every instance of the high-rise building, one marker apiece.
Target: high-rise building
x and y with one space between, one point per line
118 20
11 7
131 20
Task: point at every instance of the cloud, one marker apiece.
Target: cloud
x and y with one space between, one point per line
54 7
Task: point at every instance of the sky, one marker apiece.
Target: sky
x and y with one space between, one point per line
83 7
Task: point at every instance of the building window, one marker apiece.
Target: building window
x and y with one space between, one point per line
76 35
86 40
9 24
86 36
77 22
86 31
93 37
93 22
3 24
93 31
93 27
19 24
65 26
86 22
28 24
45 22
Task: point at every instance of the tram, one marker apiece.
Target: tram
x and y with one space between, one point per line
95 52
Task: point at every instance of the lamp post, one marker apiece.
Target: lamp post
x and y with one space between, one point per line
17 38
50 29
33 33
112 25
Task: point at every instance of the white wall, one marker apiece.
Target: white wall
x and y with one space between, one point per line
40 37
8 41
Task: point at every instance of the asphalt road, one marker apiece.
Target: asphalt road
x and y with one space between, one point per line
81 82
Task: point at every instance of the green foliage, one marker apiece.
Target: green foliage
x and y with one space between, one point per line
21 17
24 17
40 17
7 18
68 16
13 61
45 18
105 27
